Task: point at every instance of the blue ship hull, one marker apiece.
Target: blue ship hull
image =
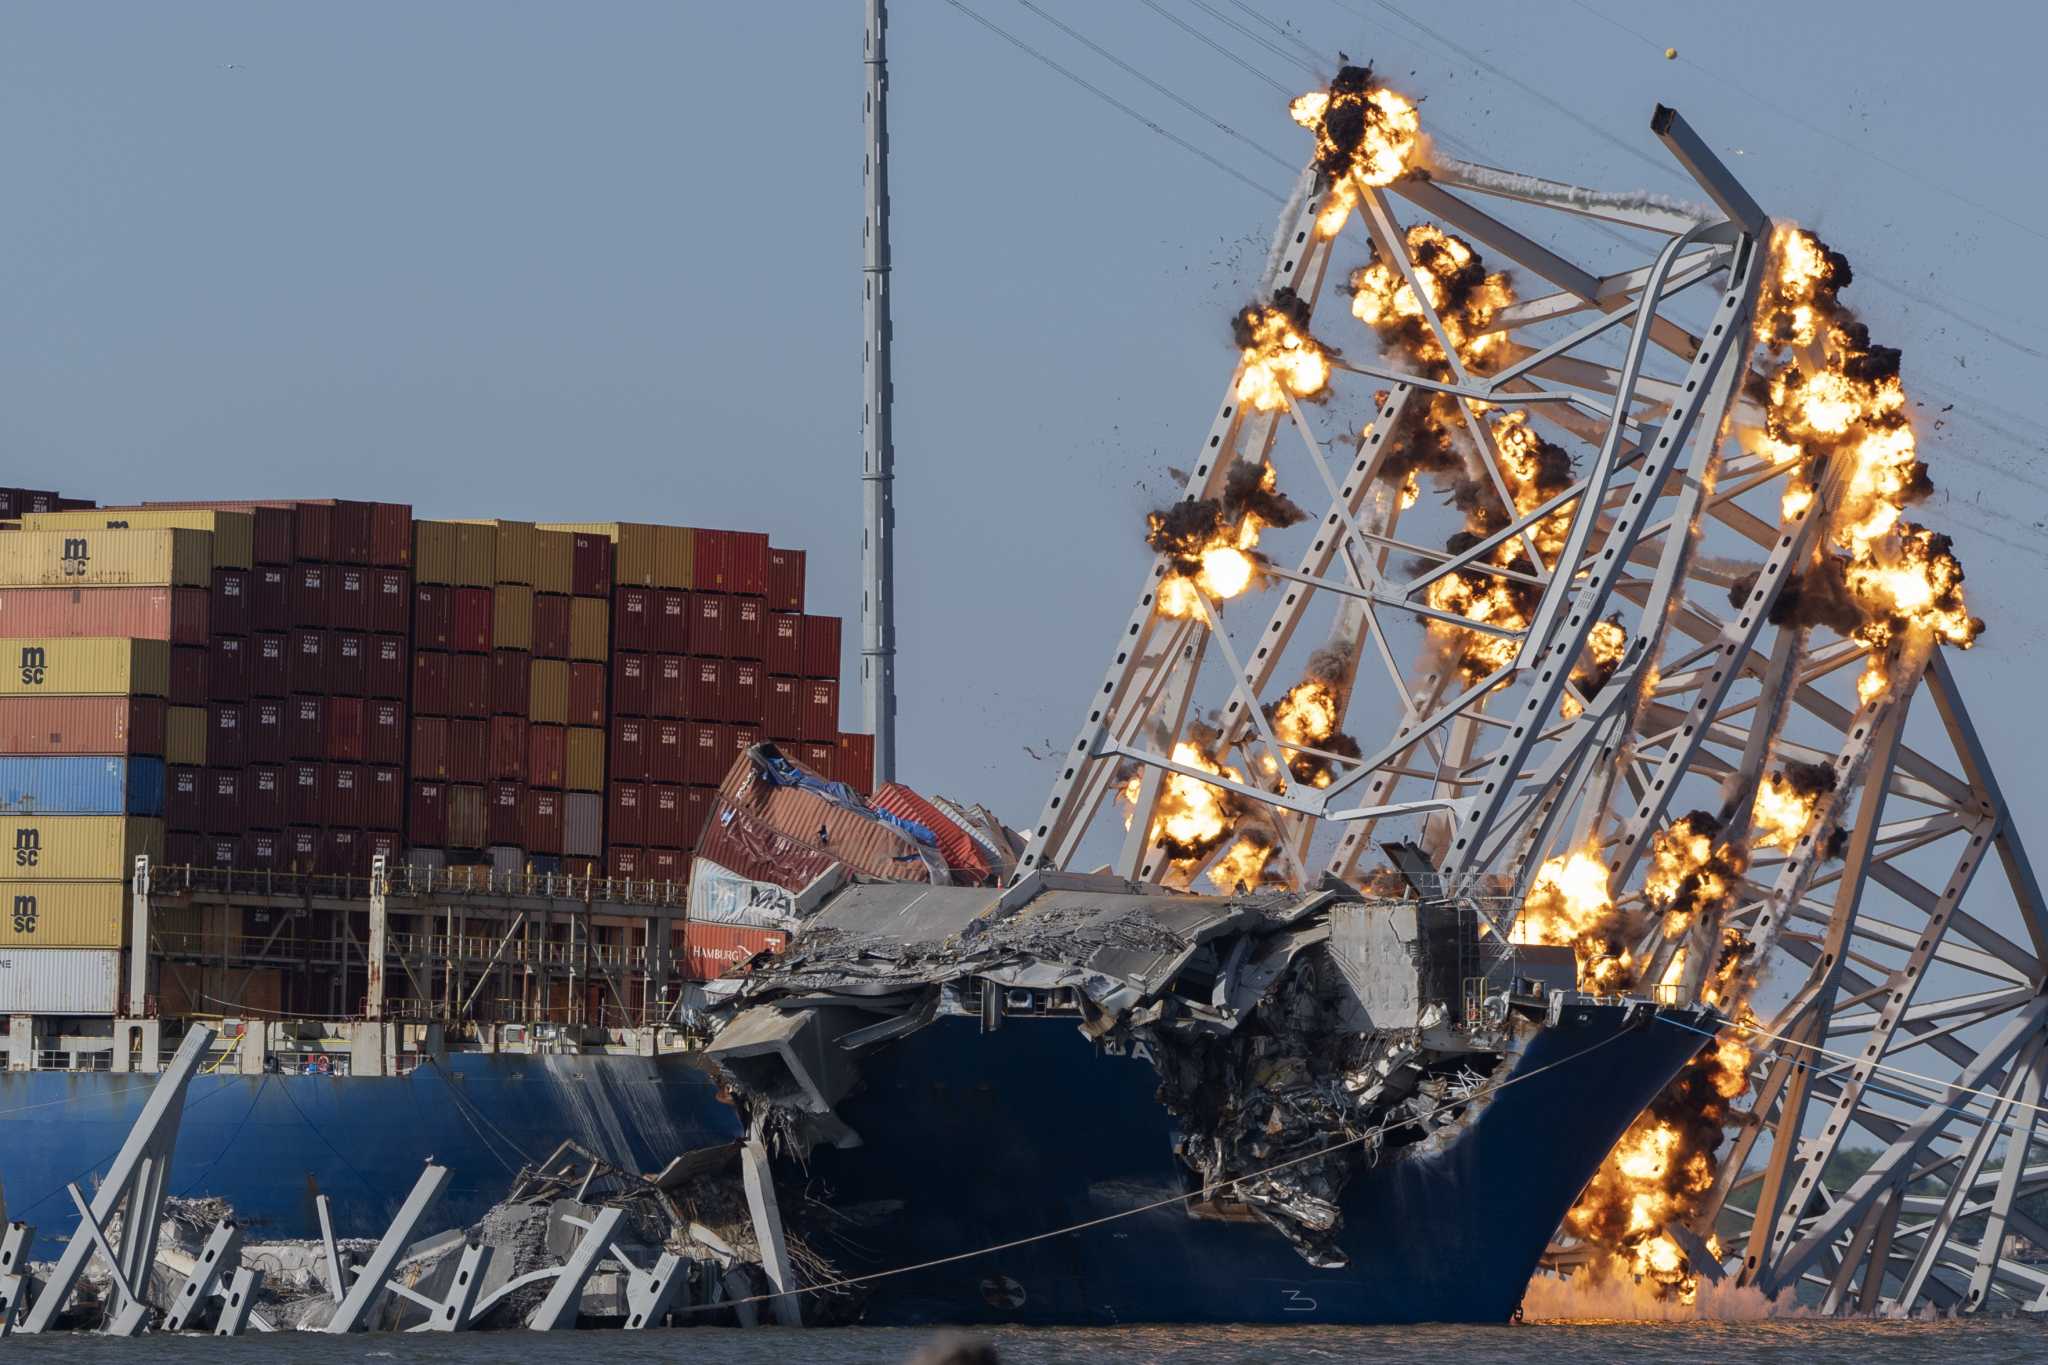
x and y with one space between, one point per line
974 1140
269 1144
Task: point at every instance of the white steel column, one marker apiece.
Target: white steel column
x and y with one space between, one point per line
878 486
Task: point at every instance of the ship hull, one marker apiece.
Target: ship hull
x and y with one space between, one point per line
269 1144
975 1141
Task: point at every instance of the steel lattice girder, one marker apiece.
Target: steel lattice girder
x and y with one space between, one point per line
1864 952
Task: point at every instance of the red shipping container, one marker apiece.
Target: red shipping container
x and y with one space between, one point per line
86 726
390 600
666 865
433 616
351 532
710 696
544 810
550 626
427 822
185 799
227 730
301 849
469 751
227 608
305 727
590 571
669 693
708 753
430 694
697 803
857 762
819 758
623 864
386 804
547 759
272 528
221 850
305 793
181 849
511 682
712 950
430 744
632 688
785 579
380 844
270 598
227 669
821 647
349 602
223 801
265 742
348 664
627 820
270 672
263 796
782 708
710 625
508 749
668 751
385 742
960 852
174 614
749 628
469 685
472 619
348 796
263 851
732 561
391 535
505 814
188 676
821 711
633 619
744 688
662 809
672 622
744 737
342 853
312 531
309 661
385 676
629 750
586 694
347 729
309 592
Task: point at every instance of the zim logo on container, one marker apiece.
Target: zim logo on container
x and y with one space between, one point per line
28 847
24 914
75 556
35 665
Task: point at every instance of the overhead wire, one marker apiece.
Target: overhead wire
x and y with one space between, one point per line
1170 17
1317 59
1282 53
1114 102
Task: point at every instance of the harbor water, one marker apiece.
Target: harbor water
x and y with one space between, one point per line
1992 1342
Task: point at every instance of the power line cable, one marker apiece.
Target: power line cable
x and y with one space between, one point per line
1116 103
1235 27
1188 105
1316 58
1215 46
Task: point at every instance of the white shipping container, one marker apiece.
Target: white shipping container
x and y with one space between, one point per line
59 980
720 896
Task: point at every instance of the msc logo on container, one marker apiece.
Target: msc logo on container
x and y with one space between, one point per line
28 847
75 556
24 914
35 665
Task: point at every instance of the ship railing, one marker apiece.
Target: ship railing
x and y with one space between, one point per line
63 1059
244 947
542 952
420 881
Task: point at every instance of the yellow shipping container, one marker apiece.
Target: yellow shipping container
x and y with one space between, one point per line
103 558
512 617
234 533
185 734
585 770
69 848
547 696
515 552
554 561
678 560
433 551
86 666
647 556
590 628
476 554
63 914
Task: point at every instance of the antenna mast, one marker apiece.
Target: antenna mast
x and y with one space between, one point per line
878 539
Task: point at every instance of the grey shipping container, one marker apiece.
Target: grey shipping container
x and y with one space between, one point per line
583 825
59 980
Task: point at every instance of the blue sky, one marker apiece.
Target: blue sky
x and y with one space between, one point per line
533 260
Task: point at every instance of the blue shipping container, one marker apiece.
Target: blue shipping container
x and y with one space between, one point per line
82 786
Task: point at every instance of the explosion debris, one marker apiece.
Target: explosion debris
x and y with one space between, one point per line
1365 135
1210 541
1458 288
1280 356
1691 870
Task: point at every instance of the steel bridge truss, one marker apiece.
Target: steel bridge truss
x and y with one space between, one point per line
1889 1148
